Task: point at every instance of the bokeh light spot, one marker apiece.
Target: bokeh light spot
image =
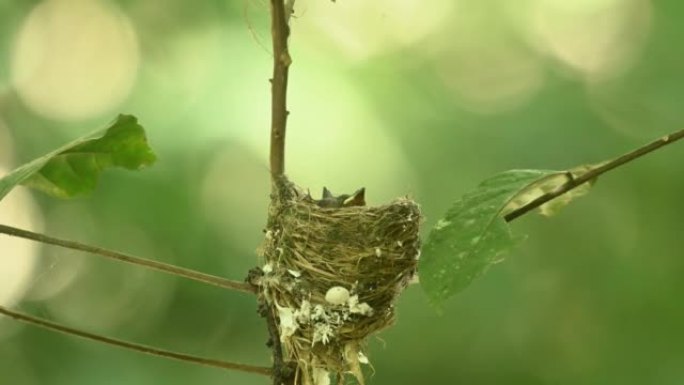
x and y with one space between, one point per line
74 59
596 39
362 29
490 77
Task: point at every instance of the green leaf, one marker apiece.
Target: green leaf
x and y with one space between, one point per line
473 234
74 168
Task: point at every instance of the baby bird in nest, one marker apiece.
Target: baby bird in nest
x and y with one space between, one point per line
344 200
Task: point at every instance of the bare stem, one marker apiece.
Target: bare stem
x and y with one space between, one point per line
160 266
45 324
281 63
596 172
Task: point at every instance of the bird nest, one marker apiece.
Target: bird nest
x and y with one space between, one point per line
331 277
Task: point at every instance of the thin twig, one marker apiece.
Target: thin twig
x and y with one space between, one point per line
133 346
280 31
603 168
160 266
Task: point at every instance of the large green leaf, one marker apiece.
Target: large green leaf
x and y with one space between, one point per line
74 168
473 234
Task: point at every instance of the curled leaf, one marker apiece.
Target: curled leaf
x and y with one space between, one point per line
75 168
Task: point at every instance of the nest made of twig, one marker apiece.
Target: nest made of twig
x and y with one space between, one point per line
331 276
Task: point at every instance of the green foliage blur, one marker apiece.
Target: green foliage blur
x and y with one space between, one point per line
402 97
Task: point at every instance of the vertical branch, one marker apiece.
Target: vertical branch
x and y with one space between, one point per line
280 32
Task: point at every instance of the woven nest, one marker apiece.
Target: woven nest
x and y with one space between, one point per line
331 277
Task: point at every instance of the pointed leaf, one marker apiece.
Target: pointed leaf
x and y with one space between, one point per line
473 234
74 168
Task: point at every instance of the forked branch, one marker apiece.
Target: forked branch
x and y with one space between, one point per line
121 257
595 173
45 324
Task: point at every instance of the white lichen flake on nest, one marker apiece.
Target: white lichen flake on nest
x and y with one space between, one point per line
288 323
359 308
323 333
325 319
332 276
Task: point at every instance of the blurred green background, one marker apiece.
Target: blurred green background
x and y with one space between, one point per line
414 97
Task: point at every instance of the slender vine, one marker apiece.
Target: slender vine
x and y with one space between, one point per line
45 324
121 257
